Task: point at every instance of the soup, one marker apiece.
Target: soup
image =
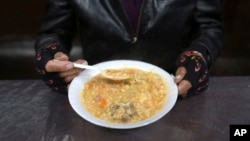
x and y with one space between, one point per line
120 101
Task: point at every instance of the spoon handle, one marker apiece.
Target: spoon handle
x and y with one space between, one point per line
82 66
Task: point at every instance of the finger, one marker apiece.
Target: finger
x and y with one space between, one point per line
178 78
70 78
74 71
80 61
61 56
183 87
58 66
180 73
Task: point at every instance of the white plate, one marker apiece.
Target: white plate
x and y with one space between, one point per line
78 83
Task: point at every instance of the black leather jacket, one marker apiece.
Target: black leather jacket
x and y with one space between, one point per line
165 28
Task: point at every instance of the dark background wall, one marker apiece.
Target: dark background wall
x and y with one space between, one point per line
20 20
235 58
20 17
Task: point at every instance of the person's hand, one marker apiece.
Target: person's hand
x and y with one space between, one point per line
183 85
63 66
191 74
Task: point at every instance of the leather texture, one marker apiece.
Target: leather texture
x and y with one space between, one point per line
165 29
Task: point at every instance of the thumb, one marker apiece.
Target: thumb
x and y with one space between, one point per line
183 85
58 66
180 73
59 63
61 56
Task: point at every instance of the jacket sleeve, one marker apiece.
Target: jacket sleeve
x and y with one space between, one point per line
208 17
208 44
55 35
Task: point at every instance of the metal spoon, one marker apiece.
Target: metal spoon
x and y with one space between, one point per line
103 73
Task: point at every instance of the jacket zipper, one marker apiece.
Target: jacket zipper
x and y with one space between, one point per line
136 32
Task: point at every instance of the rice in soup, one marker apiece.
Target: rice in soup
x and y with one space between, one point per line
135 99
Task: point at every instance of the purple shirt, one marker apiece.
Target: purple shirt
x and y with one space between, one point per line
132 8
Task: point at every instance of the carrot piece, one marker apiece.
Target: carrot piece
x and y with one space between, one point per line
154 100
102 87
102 103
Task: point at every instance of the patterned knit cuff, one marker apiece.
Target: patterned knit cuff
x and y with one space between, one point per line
197 70
201 51
51 79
